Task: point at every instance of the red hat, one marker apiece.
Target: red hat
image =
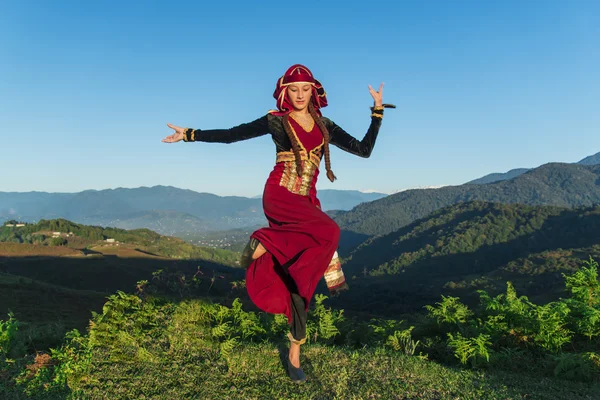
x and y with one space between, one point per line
295 74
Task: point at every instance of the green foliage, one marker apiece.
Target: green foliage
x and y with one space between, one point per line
450 311
584 285
277 325
474 349
229 325
323 321
585 299
135 335
8 332
58 241
127 326
195 349
60 373
73 359
550 320
402 341
516 319
578 366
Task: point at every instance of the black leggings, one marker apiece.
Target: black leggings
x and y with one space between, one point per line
299 316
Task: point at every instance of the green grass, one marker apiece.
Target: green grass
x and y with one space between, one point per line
149 350
255 372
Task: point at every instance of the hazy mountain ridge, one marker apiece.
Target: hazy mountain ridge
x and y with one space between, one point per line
166 209
513 173
567 185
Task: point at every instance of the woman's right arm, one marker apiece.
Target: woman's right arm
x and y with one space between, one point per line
245 131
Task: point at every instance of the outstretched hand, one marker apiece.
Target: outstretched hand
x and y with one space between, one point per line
377 96
176 137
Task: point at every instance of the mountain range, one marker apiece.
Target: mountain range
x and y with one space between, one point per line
567 185
469 246
513 173
164 209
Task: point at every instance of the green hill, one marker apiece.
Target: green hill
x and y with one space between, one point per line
567 185
496 177
469 246
53 284
86 237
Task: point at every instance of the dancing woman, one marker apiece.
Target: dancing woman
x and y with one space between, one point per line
286 260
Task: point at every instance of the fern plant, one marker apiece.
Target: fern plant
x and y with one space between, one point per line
323 322
450 311
585 299
584 285
8 333
402 341
552 333
231 324
473 349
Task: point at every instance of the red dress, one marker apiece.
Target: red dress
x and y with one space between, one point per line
300 239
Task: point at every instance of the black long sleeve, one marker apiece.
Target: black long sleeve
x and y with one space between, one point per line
346 142
249 130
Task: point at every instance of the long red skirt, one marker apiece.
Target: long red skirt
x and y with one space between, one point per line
300 240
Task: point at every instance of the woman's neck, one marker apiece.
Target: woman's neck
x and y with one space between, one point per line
301 112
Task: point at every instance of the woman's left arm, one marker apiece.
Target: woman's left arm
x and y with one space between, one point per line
346 142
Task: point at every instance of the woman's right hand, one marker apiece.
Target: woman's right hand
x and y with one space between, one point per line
176 137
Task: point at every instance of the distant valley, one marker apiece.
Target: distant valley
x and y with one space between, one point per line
164 209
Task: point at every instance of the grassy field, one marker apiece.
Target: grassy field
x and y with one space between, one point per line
52 290
36 250
140 350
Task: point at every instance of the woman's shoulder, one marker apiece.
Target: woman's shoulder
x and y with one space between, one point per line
327 122
275 122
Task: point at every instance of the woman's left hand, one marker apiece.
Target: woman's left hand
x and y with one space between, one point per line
377 96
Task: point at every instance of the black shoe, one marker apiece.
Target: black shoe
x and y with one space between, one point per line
295 374
246 259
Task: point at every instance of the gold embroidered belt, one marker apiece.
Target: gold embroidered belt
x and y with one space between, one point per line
290 179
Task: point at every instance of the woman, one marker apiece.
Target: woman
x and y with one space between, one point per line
286 260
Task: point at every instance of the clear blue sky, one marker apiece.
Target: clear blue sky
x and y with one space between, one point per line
86 88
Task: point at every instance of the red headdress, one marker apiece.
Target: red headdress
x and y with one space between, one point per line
295 74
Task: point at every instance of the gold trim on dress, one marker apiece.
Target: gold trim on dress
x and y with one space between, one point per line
377 115
302 148
298 184
298 342
302 123
185 135
310 163
289 156
334 275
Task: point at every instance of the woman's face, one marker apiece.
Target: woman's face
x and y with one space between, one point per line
300 94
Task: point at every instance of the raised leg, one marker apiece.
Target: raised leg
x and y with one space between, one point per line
260 250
